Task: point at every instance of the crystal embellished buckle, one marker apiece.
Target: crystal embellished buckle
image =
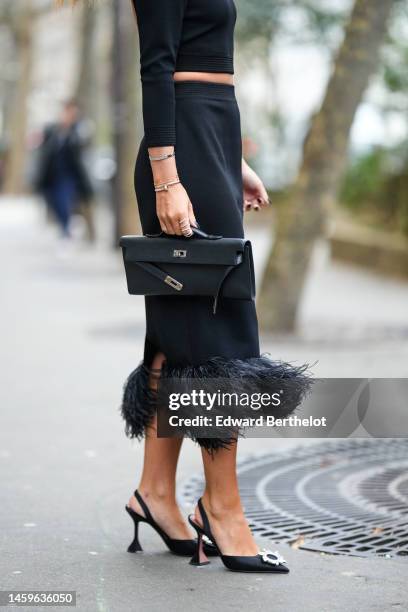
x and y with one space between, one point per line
274 558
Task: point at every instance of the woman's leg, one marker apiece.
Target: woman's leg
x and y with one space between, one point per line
158 480
222 503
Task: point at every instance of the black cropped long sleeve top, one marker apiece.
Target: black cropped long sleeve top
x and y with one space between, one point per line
179 35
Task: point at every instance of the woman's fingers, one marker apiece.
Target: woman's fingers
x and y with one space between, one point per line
191 216
163 227
180 225
256 203
186 227
175 226
167 225
164 222
253 204
263 202
263 197
247 205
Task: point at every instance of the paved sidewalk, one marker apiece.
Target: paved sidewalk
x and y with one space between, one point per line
69 335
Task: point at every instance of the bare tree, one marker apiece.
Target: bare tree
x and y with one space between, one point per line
303 218
20 22
86 85
19 17
126 118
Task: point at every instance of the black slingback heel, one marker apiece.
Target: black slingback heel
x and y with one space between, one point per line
264 561
184 548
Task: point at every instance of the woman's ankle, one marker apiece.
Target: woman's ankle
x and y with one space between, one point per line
162 493
218 506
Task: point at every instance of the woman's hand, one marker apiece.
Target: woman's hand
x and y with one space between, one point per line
173 206
175 211
255 194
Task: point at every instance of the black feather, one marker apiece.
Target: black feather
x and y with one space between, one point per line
240 376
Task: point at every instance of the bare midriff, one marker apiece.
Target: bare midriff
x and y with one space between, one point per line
209 77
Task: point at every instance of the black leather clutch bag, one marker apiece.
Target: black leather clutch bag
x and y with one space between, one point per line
201 265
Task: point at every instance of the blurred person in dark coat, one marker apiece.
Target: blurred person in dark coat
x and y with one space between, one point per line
62 177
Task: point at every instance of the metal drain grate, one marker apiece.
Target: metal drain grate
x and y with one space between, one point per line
348 496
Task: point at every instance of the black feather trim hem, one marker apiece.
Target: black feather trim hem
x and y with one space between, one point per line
139 402
238 376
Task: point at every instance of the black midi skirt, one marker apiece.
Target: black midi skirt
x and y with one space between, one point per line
197 343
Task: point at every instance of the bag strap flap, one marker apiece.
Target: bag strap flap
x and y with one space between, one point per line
225 251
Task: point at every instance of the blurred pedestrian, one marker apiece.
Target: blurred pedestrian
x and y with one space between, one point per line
61 175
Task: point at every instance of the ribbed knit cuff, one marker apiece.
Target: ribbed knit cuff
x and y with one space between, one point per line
205 63
164 136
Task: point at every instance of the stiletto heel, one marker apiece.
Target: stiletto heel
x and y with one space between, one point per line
264 561
199 558
185 548
135 545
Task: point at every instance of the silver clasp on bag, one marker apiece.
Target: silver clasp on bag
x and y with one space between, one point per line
179 253
169 280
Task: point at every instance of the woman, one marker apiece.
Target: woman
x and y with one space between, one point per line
189 168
